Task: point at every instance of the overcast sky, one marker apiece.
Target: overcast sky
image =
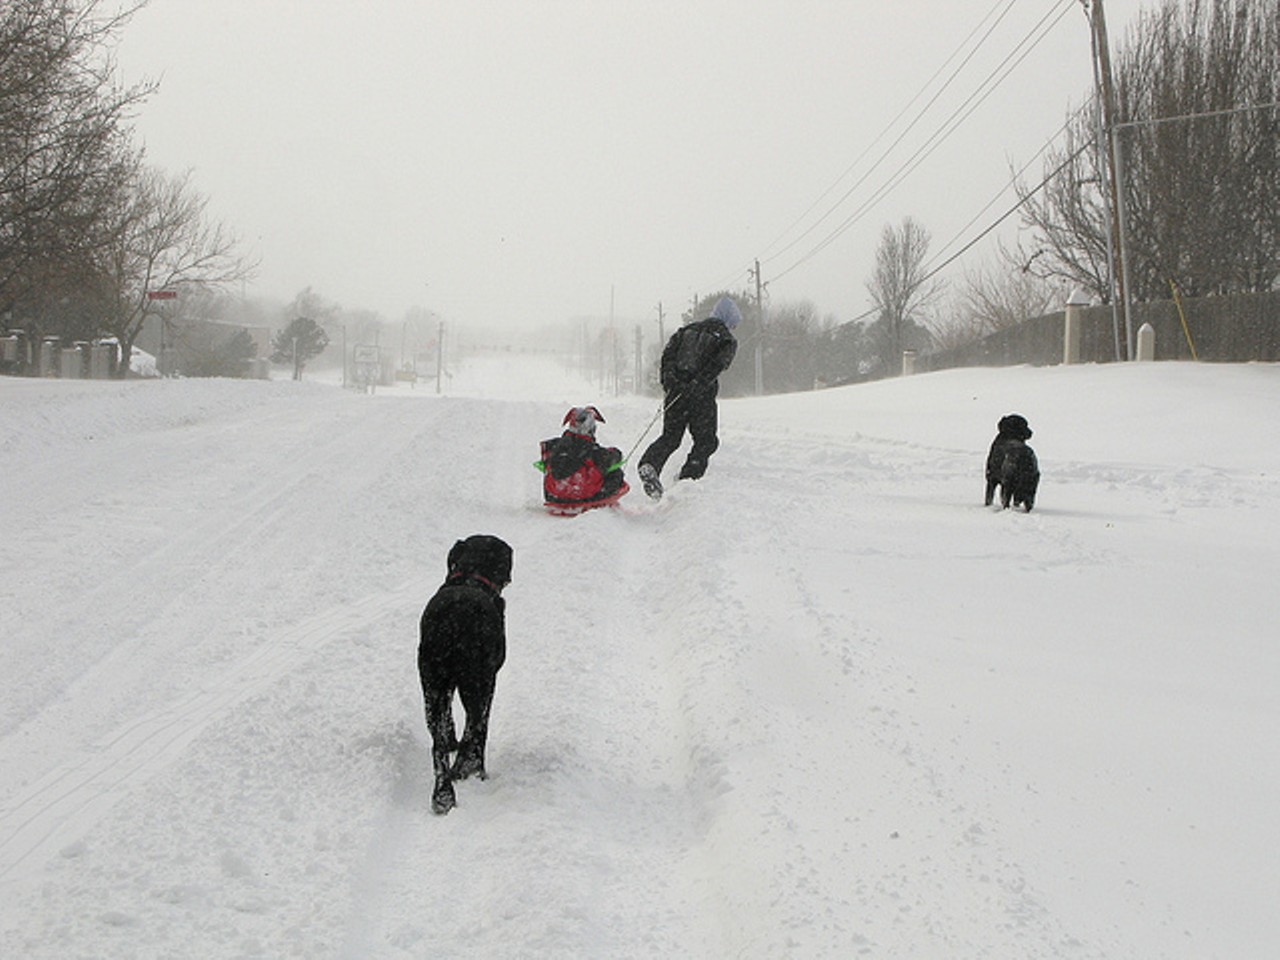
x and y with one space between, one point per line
533 161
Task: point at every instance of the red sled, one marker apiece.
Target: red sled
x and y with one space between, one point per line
559 508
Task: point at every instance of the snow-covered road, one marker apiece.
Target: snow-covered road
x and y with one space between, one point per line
820 704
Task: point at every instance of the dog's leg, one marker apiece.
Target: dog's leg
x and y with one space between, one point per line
477 700
440 724
990 494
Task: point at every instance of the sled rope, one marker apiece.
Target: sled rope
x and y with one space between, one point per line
662 408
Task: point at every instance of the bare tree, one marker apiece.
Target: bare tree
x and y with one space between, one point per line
995 296
1205 200
902 292
1069 217
1196 86
160 239
63 145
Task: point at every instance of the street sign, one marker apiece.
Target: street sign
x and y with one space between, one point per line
162 294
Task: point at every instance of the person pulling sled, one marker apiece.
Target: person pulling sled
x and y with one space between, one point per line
692 362
578 473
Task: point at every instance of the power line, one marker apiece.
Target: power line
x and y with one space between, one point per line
889 126
1023 169
1062 166
1199 116
995 223
1008 213
958 116
919 116
999 220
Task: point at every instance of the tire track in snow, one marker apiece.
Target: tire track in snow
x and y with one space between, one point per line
589 759
66 802
189 553
822 698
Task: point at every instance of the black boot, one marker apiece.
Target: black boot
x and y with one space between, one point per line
649 478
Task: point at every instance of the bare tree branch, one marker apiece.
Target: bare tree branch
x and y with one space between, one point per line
1202 159
902 292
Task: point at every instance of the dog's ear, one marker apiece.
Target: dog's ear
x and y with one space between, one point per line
505 556
455 553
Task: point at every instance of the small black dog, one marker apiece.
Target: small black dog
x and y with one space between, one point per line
462 645
1011 464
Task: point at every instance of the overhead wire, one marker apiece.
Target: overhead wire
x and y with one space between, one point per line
1012 182
1025 46
930 274
989 84
1008 5
889 126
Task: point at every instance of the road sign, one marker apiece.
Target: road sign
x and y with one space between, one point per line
162 294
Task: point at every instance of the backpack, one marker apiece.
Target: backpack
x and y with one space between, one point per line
696 346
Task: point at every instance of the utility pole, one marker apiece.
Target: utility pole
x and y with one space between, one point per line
638 375
608 368
439 355
1100 146
760 333
1106 89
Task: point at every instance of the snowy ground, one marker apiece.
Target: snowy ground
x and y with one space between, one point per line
821 704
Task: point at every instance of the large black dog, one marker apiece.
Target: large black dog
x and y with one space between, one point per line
1011 464
462 645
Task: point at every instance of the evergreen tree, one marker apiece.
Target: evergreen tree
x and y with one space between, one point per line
302 340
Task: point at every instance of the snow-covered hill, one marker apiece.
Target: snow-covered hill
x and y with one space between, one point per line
820 704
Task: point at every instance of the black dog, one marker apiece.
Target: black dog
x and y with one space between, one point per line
1011 429
1019 476
463 643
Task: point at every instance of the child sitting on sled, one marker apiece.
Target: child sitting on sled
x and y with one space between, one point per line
578 473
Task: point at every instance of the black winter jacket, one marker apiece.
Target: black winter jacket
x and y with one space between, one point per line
696 355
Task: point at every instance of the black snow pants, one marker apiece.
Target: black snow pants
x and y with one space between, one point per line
697 413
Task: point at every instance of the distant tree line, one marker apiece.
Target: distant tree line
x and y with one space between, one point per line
87 228
800 349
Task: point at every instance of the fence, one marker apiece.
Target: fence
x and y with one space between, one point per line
21 355
1235 329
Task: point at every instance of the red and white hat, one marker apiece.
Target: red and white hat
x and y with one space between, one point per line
583 420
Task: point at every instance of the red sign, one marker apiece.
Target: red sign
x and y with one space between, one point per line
162 294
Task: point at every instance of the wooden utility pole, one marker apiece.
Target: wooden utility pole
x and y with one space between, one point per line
760 333
1115 181
638 374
